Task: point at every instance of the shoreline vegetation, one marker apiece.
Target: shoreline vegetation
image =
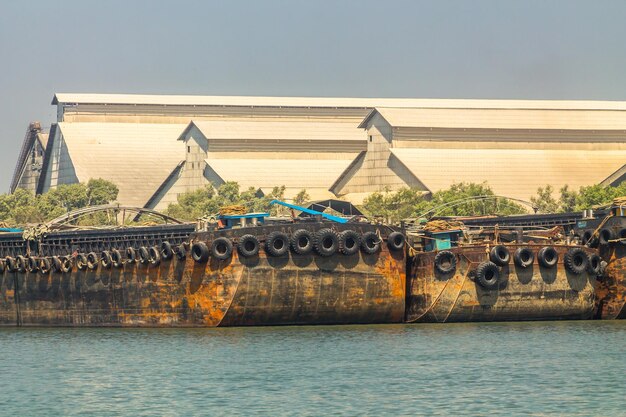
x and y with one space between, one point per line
470 199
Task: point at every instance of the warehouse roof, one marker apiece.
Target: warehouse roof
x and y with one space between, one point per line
503 118
315 172
34 134
512 173
276 130
136 157
193 100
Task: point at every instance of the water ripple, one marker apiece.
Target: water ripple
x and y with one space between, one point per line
556 368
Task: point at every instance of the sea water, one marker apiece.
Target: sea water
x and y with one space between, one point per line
542 368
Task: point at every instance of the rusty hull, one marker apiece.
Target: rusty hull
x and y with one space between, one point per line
533 293
293 289
611 289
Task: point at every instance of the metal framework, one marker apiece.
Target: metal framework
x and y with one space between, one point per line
116 208
436 210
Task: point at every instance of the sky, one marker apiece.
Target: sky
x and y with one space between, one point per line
532 49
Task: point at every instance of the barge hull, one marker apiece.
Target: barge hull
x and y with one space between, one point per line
258 290
533 293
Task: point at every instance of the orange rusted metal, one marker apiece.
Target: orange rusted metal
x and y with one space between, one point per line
533 293
611 289
259 290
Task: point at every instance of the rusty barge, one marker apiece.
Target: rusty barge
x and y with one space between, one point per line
246 270
522 276
309 272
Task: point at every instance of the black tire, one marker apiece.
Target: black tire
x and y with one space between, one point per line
166 251
32 264
523 257
181 252
277 244
20 262
10 263
488 275
116 258
105 259
621 235
81 261
500 255
548 257
221 248
44 266
56 264
326 242
155 255
576 261
302 242
248 246
594 264
131 255
349 242
395 241
605 236
445 262
66 263
370 243
144 255
589 239
200 252
92 261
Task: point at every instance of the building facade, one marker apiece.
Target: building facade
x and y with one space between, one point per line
157 147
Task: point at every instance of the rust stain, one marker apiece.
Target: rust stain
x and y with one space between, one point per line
611 290
531 294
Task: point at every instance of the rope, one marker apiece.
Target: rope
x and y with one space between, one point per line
595 232
435 301
231 210
619 201
442 225
458 294
35 232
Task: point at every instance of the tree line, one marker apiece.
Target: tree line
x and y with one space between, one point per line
460 199
23 207
207 200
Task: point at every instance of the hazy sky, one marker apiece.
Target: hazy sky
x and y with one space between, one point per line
427 49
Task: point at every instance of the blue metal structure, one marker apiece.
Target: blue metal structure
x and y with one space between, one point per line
234 220
443 240
10 230
309 211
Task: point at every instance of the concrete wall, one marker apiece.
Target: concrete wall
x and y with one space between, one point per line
379 170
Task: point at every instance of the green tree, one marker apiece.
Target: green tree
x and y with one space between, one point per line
471 199
544 201
195 204
378 204
10 203
100 192
460 199
567 202
277 193
228 193
208 200
594 195
301 198
22 207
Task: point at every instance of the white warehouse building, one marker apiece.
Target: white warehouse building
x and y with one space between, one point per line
156 147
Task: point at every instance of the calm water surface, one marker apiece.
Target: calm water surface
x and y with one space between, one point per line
555 368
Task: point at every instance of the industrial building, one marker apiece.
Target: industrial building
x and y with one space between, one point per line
156 147
514 146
